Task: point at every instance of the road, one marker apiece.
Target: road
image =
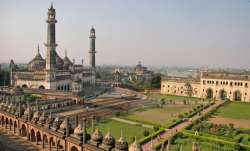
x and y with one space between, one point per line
173 131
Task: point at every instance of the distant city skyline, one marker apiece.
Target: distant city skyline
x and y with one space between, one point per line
158 33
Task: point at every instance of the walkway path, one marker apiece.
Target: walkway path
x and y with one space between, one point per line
10 142
173 131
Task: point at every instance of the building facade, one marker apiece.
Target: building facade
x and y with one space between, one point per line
55 72
33 123
214 85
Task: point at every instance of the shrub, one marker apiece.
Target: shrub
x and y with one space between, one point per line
156 128
145 132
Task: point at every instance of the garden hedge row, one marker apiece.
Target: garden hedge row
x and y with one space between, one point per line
151 136
215 139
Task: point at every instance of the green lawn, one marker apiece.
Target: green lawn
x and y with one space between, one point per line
129 131
235 110
160 116
173 97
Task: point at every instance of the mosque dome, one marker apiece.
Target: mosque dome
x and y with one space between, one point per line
59 62
37 63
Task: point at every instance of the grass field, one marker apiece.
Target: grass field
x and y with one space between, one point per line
237 113
160 116
235 110
159 96
129 131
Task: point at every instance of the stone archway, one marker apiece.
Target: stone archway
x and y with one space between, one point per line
23 131
15 127
52 143
237 96
38 138
73 148
45 141
209 93
188 89
32 135
59 146
41 87
223 94
24 86
3 122
11 124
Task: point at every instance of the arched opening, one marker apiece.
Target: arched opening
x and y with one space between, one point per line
73 149
15 127
188 89
209 93
223 94
45 141
11 124
41 87
59 146
38 138
23 131
2 120
6 123
24 86
237 95
32 136
52 143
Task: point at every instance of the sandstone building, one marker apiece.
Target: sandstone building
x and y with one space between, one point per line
54 72
210 84
34 123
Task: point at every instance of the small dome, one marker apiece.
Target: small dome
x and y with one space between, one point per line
49 120
135 147
109 140
64 124
97 136
27 111
36 114
122 144
78 130
42 118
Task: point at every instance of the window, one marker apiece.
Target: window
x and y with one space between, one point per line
217 82
246 85
204 81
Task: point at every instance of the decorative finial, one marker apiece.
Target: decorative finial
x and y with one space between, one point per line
38 49
51 4
66 55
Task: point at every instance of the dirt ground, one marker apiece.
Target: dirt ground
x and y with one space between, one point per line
239 123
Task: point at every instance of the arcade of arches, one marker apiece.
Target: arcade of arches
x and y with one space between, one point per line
213 85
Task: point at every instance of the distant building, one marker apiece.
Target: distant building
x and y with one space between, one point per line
140 73
55 72
214 85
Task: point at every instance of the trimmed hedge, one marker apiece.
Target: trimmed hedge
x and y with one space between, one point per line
215 139
151 136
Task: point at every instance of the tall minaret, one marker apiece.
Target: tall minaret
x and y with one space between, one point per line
92 48
51 39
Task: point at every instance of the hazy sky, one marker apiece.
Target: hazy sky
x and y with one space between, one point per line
214 33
